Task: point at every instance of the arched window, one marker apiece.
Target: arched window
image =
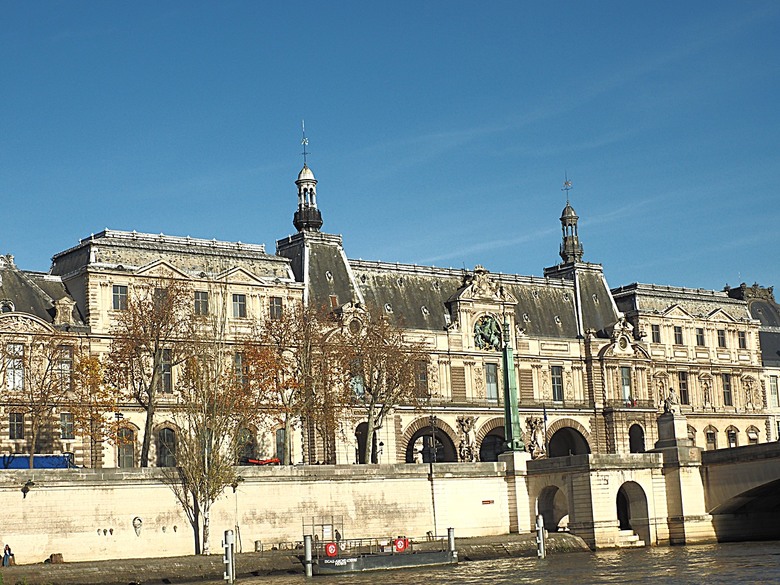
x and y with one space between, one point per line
125 447
731 437
166 448
636 439
711 438
280 441
247 446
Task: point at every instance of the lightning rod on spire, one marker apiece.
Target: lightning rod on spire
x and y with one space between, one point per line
304 141
567 186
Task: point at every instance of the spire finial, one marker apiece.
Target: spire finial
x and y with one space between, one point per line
567 186
304 141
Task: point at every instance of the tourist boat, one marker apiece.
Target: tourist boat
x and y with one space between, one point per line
350 556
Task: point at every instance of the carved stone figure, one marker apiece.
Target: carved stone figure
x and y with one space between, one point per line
671 402
536 446
487 334
467 446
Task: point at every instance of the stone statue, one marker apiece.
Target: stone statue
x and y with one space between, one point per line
671 403
536 445
467 446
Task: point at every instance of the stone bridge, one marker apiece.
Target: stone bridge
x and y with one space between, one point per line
675 494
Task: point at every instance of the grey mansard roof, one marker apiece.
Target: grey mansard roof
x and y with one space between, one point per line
763 307
33 292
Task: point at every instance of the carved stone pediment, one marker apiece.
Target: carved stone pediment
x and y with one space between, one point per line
479 286
21 324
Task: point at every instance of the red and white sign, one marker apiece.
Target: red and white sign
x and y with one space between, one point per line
401 544
331 549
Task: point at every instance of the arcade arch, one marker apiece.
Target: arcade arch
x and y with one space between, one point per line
632 511
554 508
567 437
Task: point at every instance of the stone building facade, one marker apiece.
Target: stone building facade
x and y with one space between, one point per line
594 366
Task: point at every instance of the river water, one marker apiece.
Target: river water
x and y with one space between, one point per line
731 564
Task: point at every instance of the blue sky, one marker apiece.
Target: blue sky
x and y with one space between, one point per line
439 132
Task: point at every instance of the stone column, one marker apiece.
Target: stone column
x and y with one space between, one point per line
688 520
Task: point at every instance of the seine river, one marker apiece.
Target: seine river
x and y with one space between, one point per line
730 564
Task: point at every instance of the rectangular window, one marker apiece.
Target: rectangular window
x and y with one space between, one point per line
742 339
275 307
120 297
556 377
656 332
14 367
678 338
66 425
682 378
167 372
239 306
65 367
201 303
421 378
700 336
625 382
773 398
712 439
239 368
491 381
721 338
16 425
727 400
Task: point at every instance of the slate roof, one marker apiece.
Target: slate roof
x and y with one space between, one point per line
32 292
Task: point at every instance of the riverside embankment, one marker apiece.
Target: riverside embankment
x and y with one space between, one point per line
195 567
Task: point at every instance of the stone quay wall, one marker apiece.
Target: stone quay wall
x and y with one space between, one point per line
94 514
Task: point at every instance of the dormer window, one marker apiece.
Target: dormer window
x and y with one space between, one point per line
6 307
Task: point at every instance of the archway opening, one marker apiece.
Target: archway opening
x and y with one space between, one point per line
554 508
492 445
360 437
636 439
568 441
420 447
631 508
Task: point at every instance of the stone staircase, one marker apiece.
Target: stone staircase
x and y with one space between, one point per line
628 539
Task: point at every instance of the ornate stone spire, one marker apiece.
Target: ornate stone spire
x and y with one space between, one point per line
571 249
307 217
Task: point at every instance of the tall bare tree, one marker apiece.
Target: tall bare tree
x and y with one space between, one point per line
378 366
289 364
149 339
93 404
37 379
215 410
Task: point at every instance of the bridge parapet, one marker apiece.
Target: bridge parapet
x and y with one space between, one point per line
741 454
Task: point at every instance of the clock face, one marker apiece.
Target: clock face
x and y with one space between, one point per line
487 334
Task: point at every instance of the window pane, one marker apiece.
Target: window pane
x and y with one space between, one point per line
742 339
14 366
16 425
239 306
721 338
727 390
656 330
773 398
166 448
700 337
126 447
678 336
556 375
625 382
66 425
683 380
275 308
120 297
201 302
491 381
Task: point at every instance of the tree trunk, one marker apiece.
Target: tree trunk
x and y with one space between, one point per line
196 524
206 527
370 438
287 441
33 441
149 425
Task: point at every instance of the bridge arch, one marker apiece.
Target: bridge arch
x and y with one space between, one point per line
554 508
632 510
567 437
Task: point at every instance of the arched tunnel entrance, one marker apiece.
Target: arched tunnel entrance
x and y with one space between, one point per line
554 508
568 441
632 511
